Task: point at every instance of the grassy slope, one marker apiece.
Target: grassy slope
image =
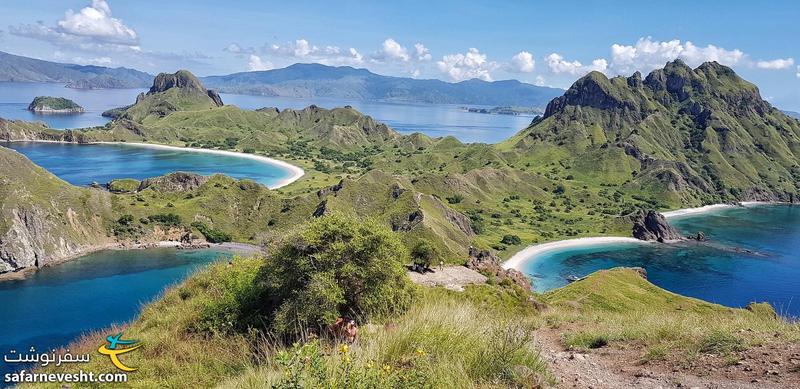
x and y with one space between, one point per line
618 305
459 334
57 217
454 331
707 133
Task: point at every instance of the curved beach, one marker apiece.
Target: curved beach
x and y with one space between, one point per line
696 210
531 252
296 171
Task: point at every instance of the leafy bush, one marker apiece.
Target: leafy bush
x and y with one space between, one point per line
455 199
166 219
124 227
336 267
212 235
511 240
423 254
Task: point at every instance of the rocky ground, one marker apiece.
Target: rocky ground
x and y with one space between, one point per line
450 277
618 366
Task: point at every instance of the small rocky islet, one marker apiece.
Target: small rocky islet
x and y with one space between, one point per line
59 105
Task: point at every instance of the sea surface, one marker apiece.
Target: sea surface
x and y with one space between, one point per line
431 119
83 164
753 254
56 304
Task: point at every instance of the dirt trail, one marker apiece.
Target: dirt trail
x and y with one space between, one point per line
615 367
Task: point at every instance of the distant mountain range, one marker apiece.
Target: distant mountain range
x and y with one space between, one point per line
344 82
793 114
24 69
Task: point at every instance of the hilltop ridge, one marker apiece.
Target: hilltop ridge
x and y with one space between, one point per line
691 134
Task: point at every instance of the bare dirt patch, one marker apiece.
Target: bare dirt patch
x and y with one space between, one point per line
450 277
622 366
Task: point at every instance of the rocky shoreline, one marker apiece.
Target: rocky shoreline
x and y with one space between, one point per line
241 248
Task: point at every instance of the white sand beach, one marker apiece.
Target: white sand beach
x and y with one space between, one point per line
693 211
529 253
296 171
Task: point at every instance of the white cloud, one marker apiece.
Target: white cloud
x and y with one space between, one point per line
96 22
329 55
467 66
523 62
558 65
647 54
776 64
539 81
421 52
392 51
798 72
99 61
256 64
235 48
93 28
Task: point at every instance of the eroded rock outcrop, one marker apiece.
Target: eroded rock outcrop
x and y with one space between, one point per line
651 225
488 264
174 182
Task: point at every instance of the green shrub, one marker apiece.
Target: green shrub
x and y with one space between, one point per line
336 267
423 254
212 235
455 199
512 240
166 219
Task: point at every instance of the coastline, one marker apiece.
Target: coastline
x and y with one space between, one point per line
296 171
234 247
531 252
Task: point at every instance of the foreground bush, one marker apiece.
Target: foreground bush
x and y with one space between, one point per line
335 267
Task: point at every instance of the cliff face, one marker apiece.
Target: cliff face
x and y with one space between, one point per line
44 220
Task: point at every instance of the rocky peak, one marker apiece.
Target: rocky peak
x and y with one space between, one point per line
184 80
592 90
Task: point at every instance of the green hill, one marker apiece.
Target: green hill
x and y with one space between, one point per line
43 219
685 135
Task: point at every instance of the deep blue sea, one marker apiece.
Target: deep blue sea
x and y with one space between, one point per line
56 304
84 164
721 271
432 119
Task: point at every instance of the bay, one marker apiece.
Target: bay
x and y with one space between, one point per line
56 304
753 254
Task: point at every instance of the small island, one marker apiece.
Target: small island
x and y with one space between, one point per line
506 110
47 104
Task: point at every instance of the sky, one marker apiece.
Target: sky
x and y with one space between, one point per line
539 42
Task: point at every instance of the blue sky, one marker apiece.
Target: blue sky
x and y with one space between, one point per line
548 43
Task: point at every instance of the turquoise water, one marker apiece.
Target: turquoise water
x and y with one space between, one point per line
56 304
431 119
716 271
84 164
